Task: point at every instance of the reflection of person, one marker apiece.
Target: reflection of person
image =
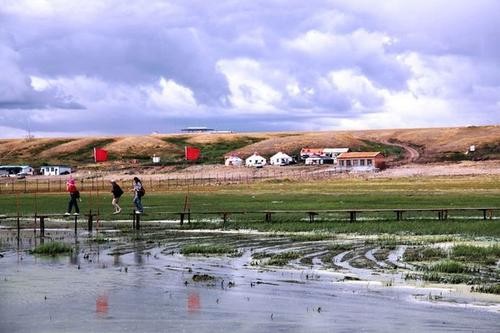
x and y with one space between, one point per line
117 193
138 193
74 195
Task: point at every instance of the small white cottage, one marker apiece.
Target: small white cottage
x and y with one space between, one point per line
255 161
233 161
281 159
55 170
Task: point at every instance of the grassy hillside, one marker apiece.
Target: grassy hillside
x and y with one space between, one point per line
433 144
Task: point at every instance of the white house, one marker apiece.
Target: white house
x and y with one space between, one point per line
233 160
255 161
55 170
334 152
280 159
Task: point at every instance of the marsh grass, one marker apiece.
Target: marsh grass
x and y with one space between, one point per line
424 254
488 255
52 249
449 278
281 259
448 266
311 237
487 288
207 249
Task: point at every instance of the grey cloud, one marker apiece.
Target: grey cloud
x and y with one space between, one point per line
134 44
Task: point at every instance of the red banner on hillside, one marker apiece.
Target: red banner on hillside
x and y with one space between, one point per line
192 153
100 155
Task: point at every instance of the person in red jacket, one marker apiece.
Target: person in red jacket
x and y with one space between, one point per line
74 195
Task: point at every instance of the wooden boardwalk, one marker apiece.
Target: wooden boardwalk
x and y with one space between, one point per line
268 215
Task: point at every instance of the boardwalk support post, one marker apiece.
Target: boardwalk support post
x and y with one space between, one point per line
268 217
42 226
352 215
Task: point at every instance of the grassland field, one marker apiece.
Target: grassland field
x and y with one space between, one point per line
354 193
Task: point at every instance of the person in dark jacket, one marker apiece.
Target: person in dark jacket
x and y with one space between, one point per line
117 193
74 195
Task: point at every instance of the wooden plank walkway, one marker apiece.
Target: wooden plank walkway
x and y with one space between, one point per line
353 214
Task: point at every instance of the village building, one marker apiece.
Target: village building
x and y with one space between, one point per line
255 161
317 160
334 152
310 152
13 170
321 155
280 159
233 161
55 170
361 161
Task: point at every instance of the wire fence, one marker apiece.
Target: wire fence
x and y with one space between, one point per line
159 182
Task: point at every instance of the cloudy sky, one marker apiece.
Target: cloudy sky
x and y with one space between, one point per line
134 67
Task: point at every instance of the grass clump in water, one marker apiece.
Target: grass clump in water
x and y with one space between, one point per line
52 249
314 237
488 288
488 255
281 259
424 254
449 266
203 278
207 249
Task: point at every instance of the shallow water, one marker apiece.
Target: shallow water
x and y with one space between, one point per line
150 291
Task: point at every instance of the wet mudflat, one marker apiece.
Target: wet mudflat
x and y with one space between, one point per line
144 283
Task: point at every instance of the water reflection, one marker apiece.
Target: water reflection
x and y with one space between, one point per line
117 262
193 302
102 305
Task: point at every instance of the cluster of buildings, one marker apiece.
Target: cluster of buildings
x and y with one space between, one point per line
26 170
341 157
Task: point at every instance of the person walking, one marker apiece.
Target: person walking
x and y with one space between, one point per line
138 194
74 195
117 193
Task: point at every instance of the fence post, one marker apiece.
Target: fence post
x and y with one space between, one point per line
90 221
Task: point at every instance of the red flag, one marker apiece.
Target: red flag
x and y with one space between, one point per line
192 153
100 155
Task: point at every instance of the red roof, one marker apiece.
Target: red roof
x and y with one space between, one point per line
361 154
315 151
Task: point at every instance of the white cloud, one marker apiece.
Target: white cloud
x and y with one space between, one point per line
172 97
251 86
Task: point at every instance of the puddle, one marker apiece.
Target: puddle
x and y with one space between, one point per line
146 285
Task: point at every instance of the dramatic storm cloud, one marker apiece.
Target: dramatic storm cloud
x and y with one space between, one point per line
109 67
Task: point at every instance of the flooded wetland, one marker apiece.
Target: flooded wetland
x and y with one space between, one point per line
246 281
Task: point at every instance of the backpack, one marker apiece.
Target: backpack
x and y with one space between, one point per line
117 191
141 192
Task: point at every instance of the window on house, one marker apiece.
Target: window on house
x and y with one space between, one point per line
348 163
362 162
355 162
368 162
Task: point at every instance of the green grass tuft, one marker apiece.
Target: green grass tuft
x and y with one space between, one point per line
52 249
207 249
281 259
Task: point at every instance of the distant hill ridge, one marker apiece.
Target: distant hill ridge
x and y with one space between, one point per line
429 144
